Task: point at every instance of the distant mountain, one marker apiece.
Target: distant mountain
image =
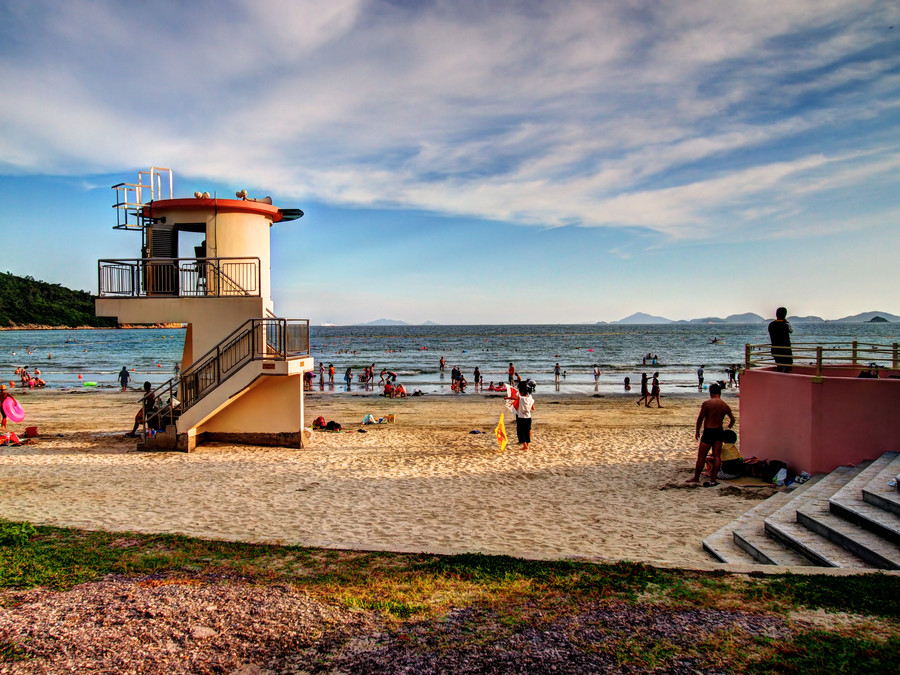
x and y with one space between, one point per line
430 323
748 317
640 317
877 319
806 319
708 319
868 316
384 322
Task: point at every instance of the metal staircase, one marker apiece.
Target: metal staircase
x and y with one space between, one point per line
268 340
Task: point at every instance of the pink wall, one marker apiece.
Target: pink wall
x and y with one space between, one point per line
817 427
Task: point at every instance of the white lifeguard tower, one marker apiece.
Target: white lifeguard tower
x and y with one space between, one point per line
241 375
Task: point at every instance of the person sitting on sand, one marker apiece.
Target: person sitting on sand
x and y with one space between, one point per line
389 389
399 391
148 406
712 414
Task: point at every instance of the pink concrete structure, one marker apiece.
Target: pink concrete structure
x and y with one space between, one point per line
816 423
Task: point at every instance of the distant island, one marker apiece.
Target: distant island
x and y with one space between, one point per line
27 303
750 317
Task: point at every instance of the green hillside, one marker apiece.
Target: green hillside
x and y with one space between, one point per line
24 301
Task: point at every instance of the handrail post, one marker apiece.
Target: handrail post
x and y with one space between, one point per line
854 353
894 358
747 351
819 361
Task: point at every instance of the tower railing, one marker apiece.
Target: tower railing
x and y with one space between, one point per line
829 355
179 277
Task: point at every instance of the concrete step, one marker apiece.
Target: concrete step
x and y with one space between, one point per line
879 493
721 546
750 532
848 503
743 540
783 526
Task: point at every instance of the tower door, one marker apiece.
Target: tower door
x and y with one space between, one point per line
162 265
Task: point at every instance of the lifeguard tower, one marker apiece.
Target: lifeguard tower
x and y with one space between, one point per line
241 374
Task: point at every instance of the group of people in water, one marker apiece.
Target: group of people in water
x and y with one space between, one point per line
30 380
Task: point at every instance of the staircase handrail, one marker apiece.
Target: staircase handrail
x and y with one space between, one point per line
188 385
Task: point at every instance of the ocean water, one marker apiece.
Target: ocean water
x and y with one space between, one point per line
413 352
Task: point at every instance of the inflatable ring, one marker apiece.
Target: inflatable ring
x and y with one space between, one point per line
13 410
90 384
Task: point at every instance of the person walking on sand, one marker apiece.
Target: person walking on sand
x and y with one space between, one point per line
645 391
712 414
124 377
780 338
524 408
654 391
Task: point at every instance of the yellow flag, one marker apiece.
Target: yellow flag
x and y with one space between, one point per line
500 433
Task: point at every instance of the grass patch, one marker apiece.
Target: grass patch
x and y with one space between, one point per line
476 601
819 653
867 594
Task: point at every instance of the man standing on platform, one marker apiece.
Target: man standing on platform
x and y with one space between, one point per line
780 338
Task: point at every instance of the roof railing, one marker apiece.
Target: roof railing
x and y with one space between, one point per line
828 355
131 197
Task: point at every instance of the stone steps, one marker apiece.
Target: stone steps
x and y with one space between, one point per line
879 493
783 526
744 539
849 502
842 519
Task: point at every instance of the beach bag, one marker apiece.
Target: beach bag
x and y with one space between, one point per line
773 468
758 468
333 426
31 432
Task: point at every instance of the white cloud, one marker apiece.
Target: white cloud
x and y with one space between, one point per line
600 114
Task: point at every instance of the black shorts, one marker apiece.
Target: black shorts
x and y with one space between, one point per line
712 436
523 429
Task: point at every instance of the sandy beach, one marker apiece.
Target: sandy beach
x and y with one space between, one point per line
604 479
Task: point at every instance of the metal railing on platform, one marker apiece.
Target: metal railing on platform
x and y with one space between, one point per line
255 340
829 355
179 277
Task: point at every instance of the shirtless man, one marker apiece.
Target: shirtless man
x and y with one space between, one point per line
712 413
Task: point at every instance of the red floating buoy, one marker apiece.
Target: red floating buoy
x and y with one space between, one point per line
79 376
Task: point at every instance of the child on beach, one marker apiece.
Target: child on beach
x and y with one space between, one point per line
654 391
3 396
524 406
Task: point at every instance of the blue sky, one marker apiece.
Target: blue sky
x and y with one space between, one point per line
471 162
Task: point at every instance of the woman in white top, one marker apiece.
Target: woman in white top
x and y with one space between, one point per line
524 406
